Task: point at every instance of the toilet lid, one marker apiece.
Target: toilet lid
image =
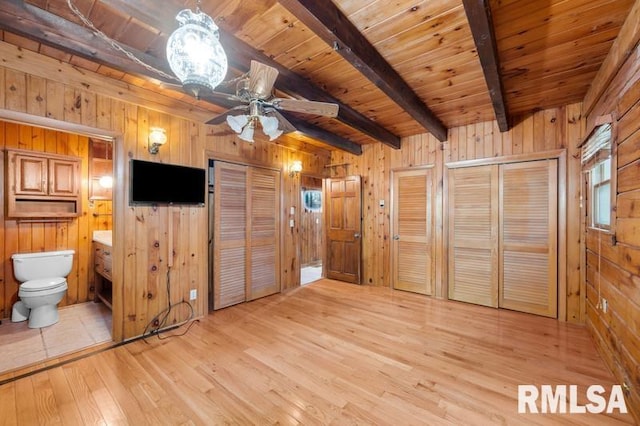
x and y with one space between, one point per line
42 284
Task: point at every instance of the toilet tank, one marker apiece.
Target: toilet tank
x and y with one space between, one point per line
46 264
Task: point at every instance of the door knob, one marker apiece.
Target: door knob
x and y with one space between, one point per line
396 237
356 235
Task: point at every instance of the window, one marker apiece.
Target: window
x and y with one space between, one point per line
601 194
597 161
312 200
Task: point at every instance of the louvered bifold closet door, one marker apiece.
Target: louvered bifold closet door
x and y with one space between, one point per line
473 234
264 254
230 239
412 230
528 237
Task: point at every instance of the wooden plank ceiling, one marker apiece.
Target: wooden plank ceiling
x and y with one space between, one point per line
396 68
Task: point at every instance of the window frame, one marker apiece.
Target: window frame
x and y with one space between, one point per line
589 167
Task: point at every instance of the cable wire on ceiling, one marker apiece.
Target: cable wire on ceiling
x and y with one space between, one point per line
114 44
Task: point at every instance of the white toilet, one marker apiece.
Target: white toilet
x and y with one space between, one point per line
43 277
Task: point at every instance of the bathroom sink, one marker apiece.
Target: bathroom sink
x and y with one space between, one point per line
103 237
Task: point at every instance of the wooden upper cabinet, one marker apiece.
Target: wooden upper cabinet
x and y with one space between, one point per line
30 174
41 185
63 177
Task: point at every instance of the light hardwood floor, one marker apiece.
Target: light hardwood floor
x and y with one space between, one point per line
326 353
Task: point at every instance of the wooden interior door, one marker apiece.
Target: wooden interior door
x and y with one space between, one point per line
230 238
343 228
473 234
412 230
263 260
528 237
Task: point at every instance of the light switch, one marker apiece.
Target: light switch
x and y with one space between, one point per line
292 211
291 223
381 203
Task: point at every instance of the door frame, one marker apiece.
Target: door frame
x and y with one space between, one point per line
558 154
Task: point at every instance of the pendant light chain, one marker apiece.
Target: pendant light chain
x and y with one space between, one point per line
115 44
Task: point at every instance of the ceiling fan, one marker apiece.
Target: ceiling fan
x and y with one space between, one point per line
257 104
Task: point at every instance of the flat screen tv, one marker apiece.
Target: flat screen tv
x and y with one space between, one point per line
161 183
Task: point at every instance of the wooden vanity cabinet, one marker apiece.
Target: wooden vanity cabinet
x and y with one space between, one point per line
42 185
102 268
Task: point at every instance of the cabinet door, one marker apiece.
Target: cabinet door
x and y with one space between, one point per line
63 178
473 235
528 237
412 221
30 174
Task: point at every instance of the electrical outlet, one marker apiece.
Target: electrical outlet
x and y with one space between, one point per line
193 294
604 305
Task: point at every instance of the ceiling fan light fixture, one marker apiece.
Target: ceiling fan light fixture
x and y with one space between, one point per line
247 132
274 134
269 124
237 122
194 52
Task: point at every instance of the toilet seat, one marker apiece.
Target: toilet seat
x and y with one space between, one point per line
42 284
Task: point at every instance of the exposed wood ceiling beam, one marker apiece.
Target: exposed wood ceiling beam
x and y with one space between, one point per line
51 30
316 133
329 23
479 17
240 55
44 27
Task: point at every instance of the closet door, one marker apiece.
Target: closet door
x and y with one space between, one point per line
263 261
528 237
230 239
473 235
412 222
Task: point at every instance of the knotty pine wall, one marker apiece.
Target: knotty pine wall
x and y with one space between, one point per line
613 267
21 236
39 90
559 128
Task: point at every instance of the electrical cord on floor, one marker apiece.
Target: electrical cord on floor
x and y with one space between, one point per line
157 323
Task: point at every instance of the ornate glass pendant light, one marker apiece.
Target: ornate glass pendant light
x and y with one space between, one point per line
194 52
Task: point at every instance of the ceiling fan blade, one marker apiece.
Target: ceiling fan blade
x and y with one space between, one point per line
261 79
223 117
213 96
284 124
308 107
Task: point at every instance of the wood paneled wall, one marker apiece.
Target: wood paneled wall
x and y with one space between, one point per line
28 236
613 266
147 240
559 128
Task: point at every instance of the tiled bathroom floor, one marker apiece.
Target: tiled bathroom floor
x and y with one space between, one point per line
309 274
80 326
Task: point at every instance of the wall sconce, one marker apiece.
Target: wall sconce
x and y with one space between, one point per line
295 168
157 138
106 182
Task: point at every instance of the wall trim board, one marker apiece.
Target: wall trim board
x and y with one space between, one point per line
518 158
57 125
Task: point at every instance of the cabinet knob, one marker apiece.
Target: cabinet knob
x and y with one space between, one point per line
396 237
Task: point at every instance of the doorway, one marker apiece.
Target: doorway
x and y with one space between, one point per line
82 323
311 246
